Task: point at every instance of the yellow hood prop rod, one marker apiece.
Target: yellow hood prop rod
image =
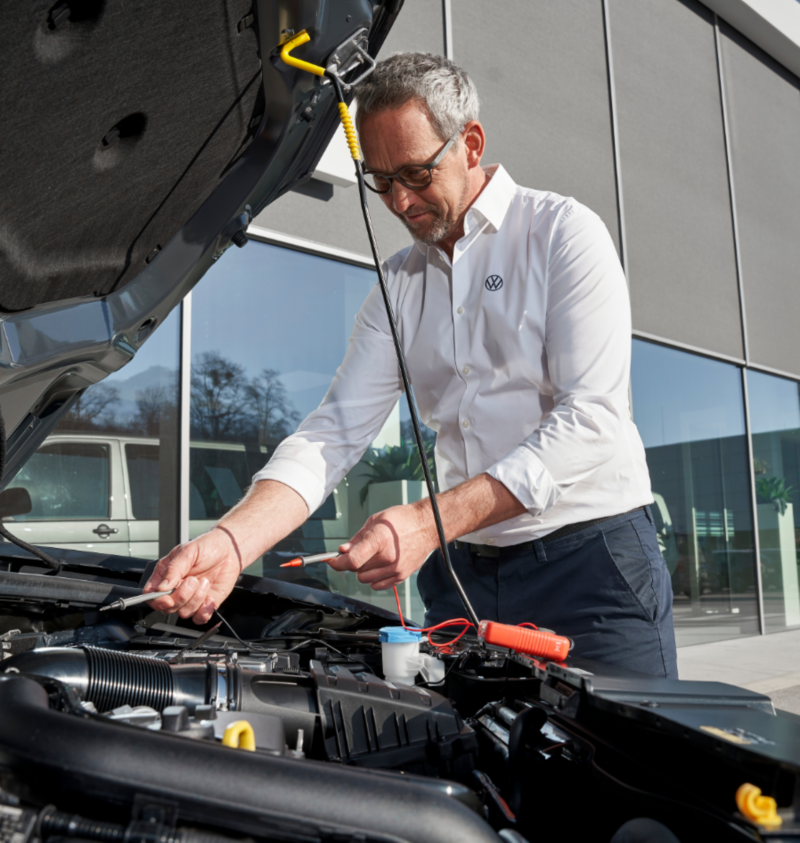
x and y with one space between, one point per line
352 142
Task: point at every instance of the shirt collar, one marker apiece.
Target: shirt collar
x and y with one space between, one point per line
491 205
495 199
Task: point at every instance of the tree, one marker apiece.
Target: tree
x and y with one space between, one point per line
153 405
219 396
275 416
92 409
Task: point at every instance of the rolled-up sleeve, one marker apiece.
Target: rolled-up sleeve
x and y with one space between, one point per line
332 439
588 346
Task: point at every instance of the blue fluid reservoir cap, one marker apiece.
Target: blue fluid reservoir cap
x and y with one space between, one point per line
398 635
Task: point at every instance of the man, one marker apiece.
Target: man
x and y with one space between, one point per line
515 321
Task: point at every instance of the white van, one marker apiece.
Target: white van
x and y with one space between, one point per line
101 492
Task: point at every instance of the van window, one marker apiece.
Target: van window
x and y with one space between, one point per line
220 477
143 474
66 480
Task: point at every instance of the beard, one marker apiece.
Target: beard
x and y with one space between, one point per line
436 229
432 231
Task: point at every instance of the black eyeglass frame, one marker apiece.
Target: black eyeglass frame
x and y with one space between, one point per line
429 167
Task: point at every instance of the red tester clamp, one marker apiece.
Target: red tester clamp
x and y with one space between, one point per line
532 642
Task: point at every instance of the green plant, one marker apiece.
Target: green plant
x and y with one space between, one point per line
775 491
396 462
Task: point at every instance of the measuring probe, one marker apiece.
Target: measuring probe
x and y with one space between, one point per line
302 561
540 643
127 602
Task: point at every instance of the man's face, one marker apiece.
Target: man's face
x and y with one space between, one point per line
404 136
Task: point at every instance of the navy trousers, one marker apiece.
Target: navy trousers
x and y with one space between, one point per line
606 587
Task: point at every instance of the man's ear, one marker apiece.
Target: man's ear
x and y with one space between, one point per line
475 142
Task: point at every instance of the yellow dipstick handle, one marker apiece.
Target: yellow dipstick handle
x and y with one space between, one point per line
240 734
760 809
350 131
344 112
298 40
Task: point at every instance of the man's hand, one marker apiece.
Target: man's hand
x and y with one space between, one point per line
396 542
203 572
390 546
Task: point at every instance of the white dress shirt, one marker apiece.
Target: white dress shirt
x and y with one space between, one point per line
519 355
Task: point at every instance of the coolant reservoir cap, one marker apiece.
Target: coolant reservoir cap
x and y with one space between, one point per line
399 635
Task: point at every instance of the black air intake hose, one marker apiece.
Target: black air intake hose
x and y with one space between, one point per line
117 679
110 678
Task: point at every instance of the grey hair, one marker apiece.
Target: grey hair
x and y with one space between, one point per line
443 88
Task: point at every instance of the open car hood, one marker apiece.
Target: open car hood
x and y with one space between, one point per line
138 140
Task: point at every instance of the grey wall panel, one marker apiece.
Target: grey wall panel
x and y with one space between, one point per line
419 27
540 68
764 123
682 264
338 222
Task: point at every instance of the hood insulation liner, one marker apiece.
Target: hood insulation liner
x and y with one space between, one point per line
119 120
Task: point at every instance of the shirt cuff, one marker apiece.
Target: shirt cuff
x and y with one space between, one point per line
296 476
527 478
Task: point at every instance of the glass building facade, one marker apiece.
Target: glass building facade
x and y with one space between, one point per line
265 332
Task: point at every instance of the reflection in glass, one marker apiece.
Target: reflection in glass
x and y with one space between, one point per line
101 481
690 414
270 326
66 480
775 428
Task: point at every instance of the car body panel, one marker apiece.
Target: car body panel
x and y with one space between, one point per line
49 353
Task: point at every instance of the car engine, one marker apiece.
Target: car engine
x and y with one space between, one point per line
276 723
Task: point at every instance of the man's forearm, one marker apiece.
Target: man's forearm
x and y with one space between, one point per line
266 514
477 503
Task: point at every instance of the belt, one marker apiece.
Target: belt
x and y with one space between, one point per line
492 552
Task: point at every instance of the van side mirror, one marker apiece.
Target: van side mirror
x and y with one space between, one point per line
15 502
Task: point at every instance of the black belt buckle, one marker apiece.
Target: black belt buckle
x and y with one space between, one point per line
487 551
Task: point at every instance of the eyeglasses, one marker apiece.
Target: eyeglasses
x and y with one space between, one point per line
414 177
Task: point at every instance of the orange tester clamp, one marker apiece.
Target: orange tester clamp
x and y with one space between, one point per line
531 642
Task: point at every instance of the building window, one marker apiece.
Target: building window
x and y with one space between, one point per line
270 326
102 481
690 414
775 428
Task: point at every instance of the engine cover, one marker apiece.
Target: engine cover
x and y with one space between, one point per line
370 722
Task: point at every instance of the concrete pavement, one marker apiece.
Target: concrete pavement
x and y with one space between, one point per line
769 664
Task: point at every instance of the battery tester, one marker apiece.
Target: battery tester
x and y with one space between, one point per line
522 638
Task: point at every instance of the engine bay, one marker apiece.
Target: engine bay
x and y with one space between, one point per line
276 722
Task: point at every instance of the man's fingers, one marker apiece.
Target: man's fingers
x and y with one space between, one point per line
198 599
377 572
363 550
183 594
204 614
172 569
158 573
381 585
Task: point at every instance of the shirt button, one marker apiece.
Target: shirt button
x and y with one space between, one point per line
465 423
460 310
465 370
489 541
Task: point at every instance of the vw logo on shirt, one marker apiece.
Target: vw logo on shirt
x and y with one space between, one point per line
494 282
